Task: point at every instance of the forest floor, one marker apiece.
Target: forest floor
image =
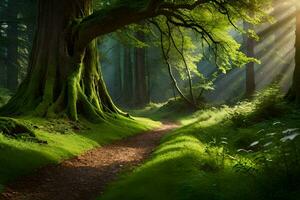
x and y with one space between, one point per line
246 151
86 176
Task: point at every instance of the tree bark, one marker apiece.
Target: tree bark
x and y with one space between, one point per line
141 86
294 93
62 78
250 68
118 72
2 48
12 49
128 95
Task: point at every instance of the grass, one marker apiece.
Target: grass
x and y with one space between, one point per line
173 110
216 156
60 141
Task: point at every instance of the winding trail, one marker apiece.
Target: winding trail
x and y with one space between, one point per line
85 177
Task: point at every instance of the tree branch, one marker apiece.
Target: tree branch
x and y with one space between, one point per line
106 21
166 58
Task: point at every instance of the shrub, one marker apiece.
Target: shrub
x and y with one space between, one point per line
4 96
265 105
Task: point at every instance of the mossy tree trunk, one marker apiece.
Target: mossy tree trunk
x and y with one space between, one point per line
63 77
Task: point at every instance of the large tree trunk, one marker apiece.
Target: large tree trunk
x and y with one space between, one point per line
63 78
294 93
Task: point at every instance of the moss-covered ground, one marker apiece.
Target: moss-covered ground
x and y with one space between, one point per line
173 110
57 140
249 151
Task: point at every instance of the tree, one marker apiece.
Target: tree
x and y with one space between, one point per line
118 71
124 68
141 83
128 92
63 76
12 50
17 25
250 71
63 73
294 93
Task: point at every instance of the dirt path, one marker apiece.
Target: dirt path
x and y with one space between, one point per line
85 177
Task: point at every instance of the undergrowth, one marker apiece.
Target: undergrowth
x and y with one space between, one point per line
249 151
173 109
267 104
5 95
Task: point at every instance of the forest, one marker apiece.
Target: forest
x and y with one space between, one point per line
149 99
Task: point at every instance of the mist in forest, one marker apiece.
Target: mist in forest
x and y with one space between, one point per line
275 51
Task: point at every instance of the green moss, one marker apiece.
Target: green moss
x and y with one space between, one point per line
201 161
174 109
63 142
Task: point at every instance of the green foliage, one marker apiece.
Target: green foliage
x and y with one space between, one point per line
109 4
206 159
4 96
265 105
215 40
165 111
13 128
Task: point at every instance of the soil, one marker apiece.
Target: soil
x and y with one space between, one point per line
85 177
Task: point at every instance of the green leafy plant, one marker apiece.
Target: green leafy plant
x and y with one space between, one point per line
265 105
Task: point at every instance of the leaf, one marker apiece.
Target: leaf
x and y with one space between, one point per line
289 137
254 143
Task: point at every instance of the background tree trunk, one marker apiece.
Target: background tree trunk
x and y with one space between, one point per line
17 26
294 93
296 84
128 94
250 68
141 86
118 72
62 78
12 49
